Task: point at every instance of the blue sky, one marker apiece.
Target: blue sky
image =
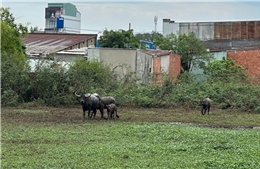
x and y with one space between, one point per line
99 15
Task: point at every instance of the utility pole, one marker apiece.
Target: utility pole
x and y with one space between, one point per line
155 22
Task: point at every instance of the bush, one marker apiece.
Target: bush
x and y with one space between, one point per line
89 77
9 98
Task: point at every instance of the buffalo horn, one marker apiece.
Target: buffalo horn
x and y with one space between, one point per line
76 94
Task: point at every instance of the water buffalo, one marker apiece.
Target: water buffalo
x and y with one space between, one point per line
112 109
90 102
106 100
205 105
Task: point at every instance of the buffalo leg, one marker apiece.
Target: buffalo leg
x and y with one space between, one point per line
202 111
94 113
89 115
113 115
116 114
84 114
102 113
108 113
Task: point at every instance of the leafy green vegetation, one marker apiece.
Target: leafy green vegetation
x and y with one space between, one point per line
58 138
150 37
119 39
192 51
225 71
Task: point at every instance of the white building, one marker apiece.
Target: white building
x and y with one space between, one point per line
62 17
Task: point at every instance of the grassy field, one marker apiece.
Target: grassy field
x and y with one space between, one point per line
47 137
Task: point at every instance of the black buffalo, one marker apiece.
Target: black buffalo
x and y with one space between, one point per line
90 103
205 105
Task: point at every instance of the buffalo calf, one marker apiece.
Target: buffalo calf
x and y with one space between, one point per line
112 109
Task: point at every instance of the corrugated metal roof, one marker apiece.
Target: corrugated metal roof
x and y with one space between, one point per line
46 43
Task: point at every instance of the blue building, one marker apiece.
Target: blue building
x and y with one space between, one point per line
148 45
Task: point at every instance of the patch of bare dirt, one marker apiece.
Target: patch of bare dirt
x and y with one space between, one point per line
21 115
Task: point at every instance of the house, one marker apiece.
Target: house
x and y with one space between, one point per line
46 44
162 63
62 17
61 48
237 40
143 63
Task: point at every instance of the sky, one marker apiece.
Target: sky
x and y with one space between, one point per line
96 16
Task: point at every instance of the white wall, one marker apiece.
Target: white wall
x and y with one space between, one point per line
72 24
165 64
170 27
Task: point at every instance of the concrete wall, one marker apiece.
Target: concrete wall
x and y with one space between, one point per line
249 59
122 61
143 66
170 27
93 54
202 30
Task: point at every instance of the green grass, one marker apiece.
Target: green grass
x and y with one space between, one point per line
29 142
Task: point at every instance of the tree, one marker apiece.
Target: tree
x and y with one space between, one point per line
191 49
34 29
11 43
118 39
13 58
225 70
148 36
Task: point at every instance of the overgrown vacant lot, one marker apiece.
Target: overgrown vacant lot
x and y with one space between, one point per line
47 137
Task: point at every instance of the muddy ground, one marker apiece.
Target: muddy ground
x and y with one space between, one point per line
217 118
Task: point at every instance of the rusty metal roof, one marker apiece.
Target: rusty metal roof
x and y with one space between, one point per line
47 43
